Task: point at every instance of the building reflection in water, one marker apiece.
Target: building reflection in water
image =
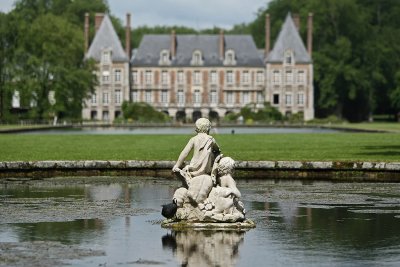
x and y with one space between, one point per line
204 248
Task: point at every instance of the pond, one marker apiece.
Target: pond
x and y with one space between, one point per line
96 222
181 130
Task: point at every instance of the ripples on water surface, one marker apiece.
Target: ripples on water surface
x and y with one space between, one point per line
117 224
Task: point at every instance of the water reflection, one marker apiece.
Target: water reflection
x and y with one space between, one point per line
205 248
74 232
298 224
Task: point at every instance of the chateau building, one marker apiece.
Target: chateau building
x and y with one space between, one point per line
193 76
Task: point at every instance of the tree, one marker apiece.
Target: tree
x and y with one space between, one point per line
50 59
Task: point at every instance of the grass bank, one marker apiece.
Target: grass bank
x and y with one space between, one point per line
319 147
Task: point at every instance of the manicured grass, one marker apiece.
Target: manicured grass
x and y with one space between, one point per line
376 126
336 146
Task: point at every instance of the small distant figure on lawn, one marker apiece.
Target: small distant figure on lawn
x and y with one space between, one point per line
205 150
233 131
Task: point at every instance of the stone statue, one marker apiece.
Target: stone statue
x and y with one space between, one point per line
205 150
209 192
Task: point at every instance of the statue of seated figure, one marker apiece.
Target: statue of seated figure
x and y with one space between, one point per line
209 192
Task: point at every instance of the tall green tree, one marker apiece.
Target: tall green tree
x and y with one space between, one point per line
50 61
356 52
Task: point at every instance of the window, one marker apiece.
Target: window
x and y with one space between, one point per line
106 100
197 77
197 97
213 97
148 97
245 77
164 77
230 57
276 77
117 75
106 57
260 77
105 115
229 77
164 96
229 98
213 77
94 99
289 76
148 77
288 57
93 114
197 58
181 97
118 97
135 77
276 99
300 99
288 99
106 76
301 76
181 77
134 96
260 97
245 98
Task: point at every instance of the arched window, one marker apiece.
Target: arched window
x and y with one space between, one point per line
197 58
230 57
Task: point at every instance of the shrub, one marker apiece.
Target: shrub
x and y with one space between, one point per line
142 112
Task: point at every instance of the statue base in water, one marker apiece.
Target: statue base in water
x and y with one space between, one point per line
181 225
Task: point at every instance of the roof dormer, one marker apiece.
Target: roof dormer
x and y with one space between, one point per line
230 58
197 58
165 58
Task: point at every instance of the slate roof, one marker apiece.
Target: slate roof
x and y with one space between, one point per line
289 38
107 38
148 53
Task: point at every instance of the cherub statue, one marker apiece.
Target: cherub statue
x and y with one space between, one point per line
205 150
209 192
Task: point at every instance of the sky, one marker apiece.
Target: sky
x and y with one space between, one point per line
197 14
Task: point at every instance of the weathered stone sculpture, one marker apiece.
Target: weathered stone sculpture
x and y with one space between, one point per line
208 192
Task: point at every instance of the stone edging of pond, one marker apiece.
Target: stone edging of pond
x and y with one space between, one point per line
312 170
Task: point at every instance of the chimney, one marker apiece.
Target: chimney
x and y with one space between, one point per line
86 32
296 20
128 36
98 19
173 44
267 34
309 33
221 44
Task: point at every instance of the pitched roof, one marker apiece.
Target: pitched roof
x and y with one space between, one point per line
106 38
289 38
148 53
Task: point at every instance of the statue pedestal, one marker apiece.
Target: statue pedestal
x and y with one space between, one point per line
181 225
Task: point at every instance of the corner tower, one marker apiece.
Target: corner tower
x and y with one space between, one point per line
289 69
112 71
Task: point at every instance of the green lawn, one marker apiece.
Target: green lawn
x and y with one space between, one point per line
336 146
376 126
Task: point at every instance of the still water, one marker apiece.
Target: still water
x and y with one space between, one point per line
181 130
298 224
